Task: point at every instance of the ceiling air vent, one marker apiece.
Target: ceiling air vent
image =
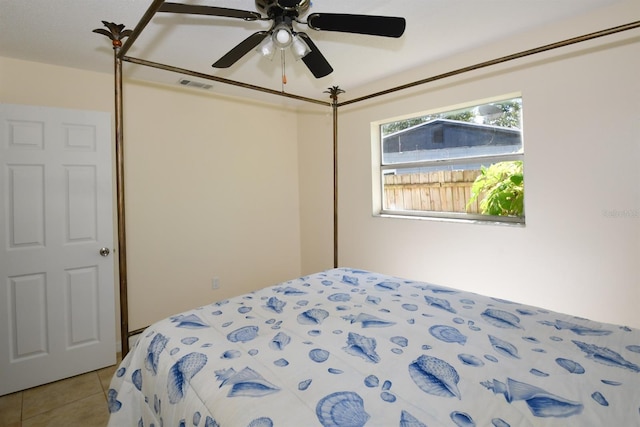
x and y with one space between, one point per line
197 85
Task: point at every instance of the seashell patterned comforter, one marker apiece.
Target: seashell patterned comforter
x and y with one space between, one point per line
348 348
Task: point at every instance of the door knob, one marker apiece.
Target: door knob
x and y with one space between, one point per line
104 251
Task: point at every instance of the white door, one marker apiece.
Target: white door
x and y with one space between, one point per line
57 316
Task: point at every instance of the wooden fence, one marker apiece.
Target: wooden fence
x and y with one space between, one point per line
444 191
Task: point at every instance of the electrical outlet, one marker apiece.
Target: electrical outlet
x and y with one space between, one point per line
215 283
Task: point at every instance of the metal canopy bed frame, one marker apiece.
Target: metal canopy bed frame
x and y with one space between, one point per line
118 32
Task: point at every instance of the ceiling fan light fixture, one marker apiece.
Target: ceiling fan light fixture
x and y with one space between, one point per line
267 48
299 47
282 36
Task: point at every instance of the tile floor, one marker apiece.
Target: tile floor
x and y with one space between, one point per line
79 401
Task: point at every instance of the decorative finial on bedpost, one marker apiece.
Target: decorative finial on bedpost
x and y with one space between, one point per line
333 92
116 33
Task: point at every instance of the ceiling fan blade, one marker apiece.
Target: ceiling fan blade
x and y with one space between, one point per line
240 50
209 10
387 26
314 60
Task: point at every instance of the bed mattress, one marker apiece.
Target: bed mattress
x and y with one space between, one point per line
349 348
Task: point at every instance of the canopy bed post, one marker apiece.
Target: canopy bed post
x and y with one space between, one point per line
116 33
333 93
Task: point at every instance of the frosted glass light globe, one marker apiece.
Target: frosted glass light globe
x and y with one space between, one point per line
283 37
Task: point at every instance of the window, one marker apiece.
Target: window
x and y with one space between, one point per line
465 163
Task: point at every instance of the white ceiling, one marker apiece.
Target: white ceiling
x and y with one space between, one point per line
59 32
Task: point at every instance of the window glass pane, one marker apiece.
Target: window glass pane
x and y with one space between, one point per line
431 188
467 161
483 130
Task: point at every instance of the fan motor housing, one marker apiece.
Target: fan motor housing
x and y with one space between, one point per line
298 6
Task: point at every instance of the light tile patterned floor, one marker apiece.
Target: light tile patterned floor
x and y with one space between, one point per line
79 401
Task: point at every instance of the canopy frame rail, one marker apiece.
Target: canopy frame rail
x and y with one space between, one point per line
117 32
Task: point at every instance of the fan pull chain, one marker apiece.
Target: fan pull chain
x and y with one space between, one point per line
282 63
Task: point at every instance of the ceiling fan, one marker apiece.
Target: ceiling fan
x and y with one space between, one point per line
282 35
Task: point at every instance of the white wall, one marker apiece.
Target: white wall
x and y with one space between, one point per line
582 149
211 187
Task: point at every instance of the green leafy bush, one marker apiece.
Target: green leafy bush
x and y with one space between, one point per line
501 187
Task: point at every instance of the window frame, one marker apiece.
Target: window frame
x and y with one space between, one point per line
379 169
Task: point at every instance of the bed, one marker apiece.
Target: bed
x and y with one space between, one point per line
348 348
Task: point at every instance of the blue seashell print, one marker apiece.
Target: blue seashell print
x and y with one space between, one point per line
388 397
369 321
610 382
136 379
371 381
318 355
387 385
244 334
491 358
350 280
303 385
275 305
289 290
435 376
253 352
531 340
245 383
503 347
538 373
540 402
399 341
439 303
181 373
281 363
447 334
342 409
230 354
158 343
498 422
339 297
335 371
470 360
598 397
244 309
280 341
458 320
261 422
575 328
633 348
462 419
196 418
189 340
314 316
302 303
410 307
386 286
361 346
526 312
113 403
408 420
210 422
501 318
606 356
570 365
120 372
373 300
440 289
190 321
174 351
